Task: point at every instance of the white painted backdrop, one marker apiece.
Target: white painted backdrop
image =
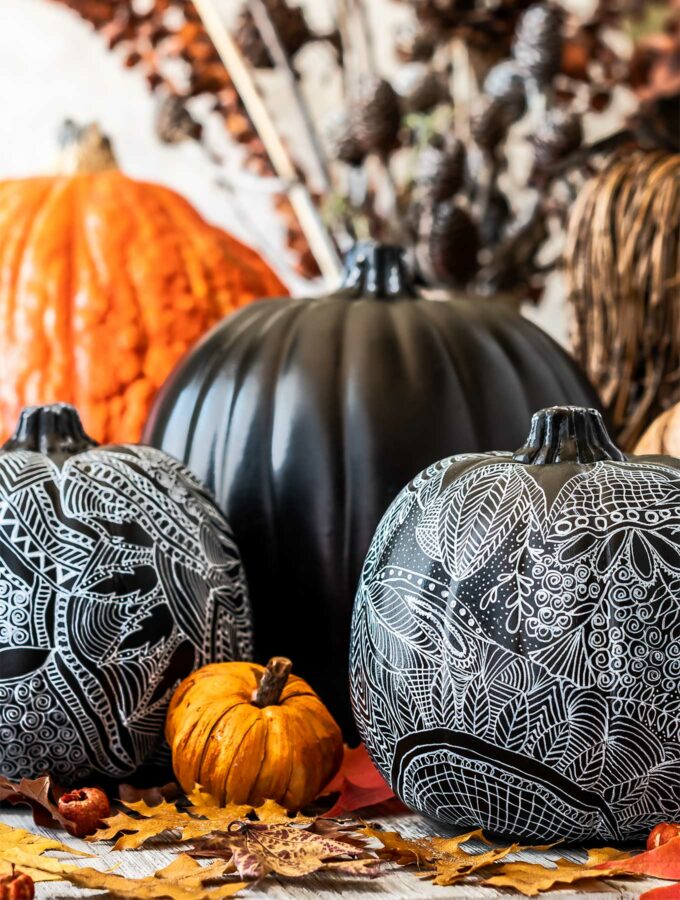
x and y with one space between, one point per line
53 66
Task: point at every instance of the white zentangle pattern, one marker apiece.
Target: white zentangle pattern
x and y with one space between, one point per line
516 647
118 576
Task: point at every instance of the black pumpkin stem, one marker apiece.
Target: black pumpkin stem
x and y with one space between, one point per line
377 270
567 434
55 430
273 681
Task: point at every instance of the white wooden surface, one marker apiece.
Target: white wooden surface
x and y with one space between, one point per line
399 884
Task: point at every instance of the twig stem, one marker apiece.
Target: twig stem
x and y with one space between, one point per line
316 233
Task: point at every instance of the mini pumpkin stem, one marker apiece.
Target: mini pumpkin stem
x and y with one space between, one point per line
272 682
84 148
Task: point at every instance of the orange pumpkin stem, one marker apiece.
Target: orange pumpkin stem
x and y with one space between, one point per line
273 681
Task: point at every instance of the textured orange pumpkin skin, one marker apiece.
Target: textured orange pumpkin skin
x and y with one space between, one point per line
105 282
240 753
663 435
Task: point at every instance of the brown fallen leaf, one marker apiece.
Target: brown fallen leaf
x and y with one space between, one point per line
256 849
21 848
183 879
38 793
443 858
202 817
531 879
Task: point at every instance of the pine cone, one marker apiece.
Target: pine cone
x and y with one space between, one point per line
494 218
429 91
441 170
538 42
490 126
377 117
174 123
505 82
559 135
290 24
449 244
416 44
344 145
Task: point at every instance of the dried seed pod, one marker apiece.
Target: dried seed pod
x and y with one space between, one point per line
449 244
538 42
559 134
490 125
344 144
174 123
290 24
494 218
416 44
429 91
377 117
441 170
506 83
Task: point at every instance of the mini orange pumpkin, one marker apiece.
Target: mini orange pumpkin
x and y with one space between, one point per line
105 282
248 734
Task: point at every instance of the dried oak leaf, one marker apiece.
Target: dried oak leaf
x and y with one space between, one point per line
255 849
532 878
39 794
128 793
183 879
359 783
21 848
202 817
443 858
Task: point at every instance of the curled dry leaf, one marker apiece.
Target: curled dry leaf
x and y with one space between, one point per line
38 793
662 833
256 849
531 879
140 822
128 793
21 848
443 858
183 879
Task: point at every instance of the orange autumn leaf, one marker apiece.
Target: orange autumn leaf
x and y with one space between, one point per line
358 782
662 833
662 862
22 848
667 892
531 879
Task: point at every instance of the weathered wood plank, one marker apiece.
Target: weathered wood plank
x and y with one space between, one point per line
395 884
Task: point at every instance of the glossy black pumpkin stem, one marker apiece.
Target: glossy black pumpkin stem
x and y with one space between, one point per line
377 270
55 430
567 434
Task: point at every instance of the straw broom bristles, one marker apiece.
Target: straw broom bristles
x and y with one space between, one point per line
623 271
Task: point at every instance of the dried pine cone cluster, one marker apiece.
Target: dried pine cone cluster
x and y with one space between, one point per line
530 59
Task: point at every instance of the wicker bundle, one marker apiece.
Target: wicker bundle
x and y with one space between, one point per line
623 266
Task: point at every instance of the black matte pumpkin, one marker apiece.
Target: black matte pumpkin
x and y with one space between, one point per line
516 638
305 417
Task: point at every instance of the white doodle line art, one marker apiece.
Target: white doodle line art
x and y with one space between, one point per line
516 647
118 576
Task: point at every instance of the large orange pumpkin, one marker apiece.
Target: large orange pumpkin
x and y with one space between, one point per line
105 282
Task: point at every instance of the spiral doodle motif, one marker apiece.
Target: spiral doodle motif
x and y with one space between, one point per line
515 651
117 577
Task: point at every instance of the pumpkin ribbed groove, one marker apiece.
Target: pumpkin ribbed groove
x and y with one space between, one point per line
363 392
104 283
